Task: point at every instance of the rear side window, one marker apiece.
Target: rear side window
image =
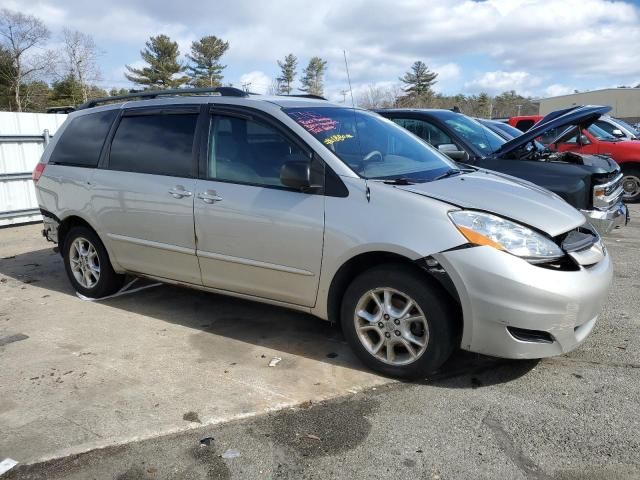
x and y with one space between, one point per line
82 140
524 125
159 144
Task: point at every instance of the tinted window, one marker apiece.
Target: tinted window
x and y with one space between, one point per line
82 139
483 139
246 151
158 144
524 125
425 130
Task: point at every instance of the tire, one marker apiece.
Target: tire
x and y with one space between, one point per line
98 282
432 340
631 184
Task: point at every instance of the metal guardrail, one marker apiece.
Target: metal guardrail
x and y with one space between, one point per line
8 177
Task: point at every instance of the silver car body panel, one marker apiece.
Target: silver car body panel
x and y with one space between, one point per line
498 290
285 248
507 196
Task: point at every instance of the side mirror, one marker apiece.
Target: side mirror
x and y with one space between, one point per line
452 151
584 140
298 174
616 132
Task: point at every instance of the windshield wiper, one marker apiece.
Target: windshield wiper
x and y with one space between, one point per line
448 173
397 181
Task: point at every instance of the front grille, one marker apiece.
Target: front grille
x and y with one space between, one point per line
608 192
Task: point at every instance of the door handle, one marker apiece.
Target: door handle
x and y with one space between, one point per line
210 196
179 192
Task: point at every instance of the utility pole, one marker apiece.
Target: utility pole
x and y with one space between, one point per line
344 95
245 86
519 107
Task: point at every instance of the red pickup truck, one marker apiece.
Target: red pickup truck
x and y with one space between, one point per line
595 140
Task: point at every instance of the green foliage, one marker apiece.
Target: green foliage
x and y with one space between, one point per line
69 91
418 83
206 69
287 73
313 76
161 54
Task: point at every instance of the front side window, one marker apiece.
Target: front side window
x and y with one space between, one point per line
160 144
247 151
425 130
371 145
82 140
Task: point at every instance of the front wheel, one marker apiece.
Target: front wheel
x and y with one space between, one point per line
631 184
87 264
397 322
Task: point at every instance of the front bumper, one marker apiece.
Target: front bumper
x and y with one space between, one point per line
502 295
606 220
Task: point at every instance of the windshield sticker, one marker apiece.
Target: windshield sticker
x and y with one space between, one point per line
336 138
314 123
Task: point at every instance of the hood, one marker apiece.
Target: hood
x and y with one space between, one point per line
506 196
581 115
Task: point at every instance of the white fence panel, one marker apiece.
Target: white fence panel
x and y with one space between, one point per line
22 141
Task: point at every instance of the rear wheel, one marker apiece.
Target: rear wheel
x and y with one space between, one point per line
631 184
397 322
87 264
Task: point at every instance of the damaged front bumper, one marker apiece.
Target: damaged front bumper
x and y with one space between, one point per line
514 309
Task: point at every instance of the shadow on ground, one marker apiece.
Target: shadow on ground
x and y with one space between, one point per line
254 323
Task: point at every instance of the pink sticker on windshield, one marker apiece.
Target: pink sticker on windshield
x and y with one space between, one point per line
314 123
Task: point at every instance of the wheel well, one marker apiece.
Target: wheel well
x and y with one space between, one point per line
66 225
358 264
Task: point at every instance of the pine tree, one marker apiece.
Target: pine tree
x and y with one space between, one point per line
288 73
312 80
483 105
161 53
206 70
418 81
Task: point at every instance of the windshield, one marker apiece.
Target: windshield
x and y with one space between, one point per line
371 145
478 135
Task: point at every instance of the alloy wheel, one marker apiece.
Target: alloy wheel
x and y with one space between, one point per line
631 186
84 262
391 326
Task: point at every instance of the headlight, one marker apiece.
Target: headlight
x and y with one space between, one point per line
486 229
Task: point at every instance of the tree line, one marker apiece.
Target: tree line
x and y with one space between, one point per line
34 78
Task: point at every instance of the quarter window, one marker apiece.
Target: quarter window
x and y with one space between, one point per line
160 144
247 151
82 140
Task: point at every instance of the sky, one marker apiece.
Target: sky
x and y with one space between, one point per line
539 48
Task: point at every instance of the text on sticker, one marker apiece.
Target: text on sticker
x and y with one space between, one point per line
336 138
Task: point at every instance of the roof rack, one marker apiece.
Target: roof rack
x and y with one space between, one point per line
148 94
305 95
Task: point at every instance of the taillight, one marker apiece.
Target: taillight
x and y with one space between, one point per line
37 172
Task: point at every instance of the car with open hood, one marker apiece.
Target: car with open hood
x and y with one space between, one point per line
333 211
591 183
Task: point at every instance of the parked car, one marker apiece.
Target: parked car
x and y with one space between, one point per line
590 183
325 209
616 127
594 140
524 122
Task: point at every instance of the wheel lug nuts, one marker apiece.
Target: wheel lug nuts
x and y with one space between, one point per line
386 316
397 332
387 334
380 324
396 321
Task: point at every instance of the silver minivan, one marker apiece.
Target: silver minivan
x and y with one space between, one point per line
325 209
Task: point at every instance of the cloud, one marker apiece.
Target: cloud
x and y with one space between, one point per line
256 81
500 81
564 42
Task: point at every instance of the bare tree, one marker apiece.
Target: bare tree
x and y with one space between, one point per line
376 96
80 59
21 36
